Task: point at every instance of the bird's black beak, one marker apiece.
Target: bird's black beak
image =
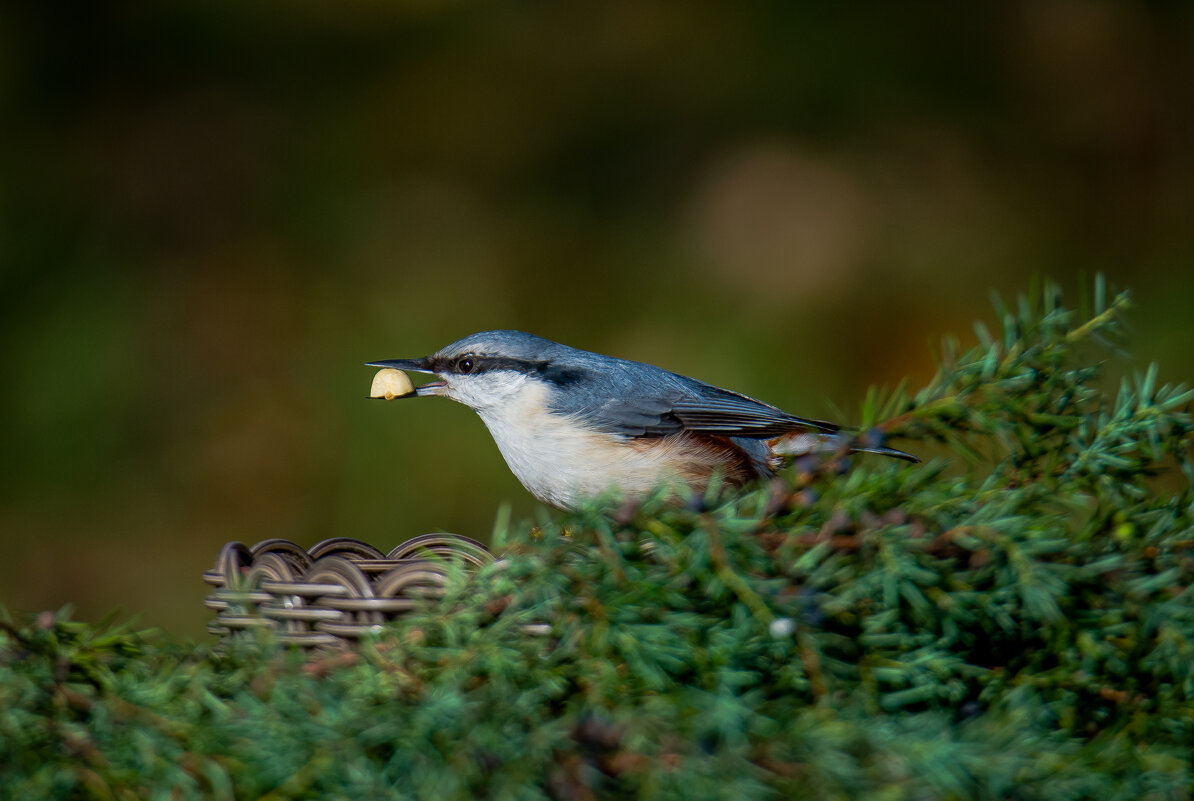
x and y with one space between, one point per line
405 365
413 366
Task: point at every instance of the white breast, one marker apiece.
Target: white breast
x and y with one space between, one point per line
560 462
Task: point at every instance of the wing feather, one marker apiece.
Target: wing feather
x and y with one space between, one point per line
694 406
724 412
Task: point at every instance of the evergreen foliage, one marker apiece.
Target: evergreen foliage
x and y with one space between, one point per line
1015 622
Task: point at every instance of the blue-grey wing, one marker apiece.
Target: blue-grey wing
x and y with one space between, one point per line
719 411
671 403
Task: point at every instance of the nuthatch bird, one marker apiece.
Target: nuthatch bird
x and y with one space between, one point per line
573 424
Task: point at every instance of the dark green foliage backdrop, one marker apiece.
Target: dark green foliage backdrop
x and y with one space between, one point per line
213 211
875 631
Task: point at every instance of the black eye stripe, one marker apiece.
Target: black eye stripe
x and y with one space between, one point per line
467 363
483 364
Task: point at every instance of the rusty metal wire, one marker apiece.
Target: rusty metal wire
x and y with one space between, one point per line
330 595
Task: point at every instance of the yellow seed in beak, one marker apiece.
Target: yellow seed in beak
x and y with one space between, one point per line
390 384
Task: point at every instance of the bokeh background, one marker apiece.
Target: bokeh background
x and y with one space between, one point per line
213 212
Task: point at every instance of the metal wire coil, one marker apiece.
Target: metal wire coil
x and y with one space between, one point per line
334 592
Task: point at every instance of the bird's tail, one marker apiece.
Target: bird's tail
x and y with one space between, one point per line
802 443
892 452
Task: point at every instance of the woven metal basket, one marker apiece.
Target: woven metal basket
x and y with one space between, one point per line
333 593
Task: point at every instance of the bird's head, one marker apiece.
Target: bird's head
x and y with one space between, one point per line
485 370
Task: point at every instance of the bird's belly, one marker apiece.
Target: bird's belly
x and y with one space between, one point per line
561 463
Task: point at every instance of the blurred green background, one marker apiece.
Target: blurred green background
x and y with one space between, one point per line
212 213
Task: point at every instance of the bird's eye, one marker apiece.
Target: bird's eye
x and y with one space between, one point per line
465 365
